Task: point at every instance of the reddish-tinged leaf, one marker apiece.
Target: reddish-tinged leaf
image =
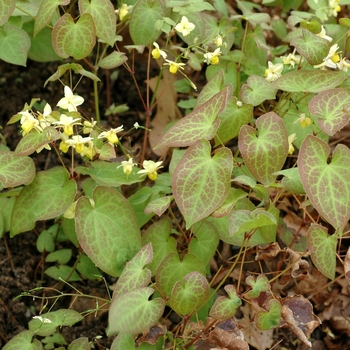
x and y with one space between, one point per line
264 150
113 60
327 184
201 182
323 249
200 124
102 11
6 9
333 109
74 39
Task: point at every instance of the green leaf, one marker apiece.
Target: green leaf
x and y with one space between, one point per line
231 121
6 9
104 16
6 205
159 206
123 341
213 86
135 275
49 195
323 249
87 268
23 341
113 60
76 68
62 256
14 44
313 48
204 242
46 12
291 180
159 235
201 182
59 318
261 284
143 18
80 344
225 308
326 183
15 170
133 313
264 151
172 270
63 272
110 173
35 140
108 239
333 109
45 242
266 320
313 81
74 39
257 90
189 293
233 196
200 124
242 221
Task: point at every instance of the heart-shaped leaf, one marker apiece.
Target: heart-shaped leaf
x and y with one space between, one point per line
6 10
133 312
142 23
333 109
265 320
74 39
190 293
108 239
257 90
135 275
23 340
102 11
323 249
264 151
113 60
327 184
309 80
201 182
225 308
260 284
202 123
311 47
172 270
15 170
49 195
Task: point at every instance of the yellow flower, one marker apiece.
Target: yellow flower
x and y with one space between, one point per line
123 11
67 124
127 166
174 66
184 27
291 139
218 40
29 122
70 101
304 121
274 71
89 151
111 135
70 212
334 8
157 52
212 57
78 142
150 168
331 59
88 126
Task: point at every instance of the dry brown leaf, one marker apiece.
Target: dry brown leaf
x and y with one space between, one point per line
297 313
347 265
261 340
167 109
152 335
227 334
300 269
270 251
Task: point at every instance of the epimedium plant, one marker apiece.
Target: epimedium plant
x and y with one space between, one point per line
257 132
